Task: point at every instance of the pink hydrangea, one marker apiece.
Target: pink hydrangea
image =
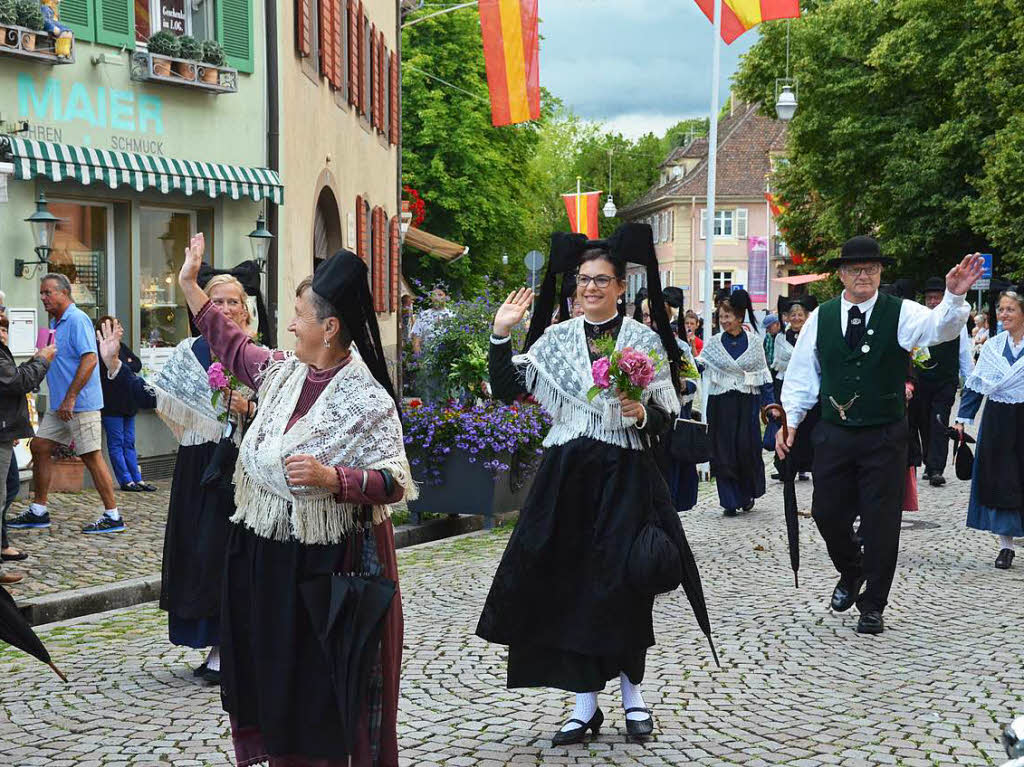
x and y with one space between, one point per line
601 372
638 367
216 377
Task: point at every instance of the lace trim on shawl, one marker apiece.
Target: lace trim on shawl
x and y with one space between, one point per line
353 422
722 373
783 354
557 371
994 376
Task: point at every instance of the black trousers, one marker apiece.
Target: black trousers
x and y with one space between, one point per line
861 471
929 415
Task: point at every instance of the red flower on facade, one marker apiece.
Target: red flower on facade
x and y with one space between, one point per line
417 206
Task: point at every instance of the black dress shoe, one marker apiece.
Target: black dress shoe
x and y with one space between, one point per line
728 512
936 480
776 475
871 623
211 676
1005 559
577 734
845 594
749 506
198 671
926 476
639 728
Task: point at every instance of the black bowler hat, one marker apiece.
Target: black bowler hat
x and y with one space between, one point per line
860 250
935 284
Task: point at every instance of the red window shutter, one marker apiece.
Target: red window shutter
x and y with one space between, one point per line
353 54
304 26
338 30
395 244
324 36
363 95
361 229
379 260
382 52
395 106
374 56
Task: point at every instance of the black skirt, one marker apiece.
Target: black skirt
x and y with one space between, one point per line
1000 456
561 599
735 435
195 538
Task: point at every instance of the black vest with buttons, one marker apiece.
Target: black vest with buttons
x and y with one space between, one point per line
867 382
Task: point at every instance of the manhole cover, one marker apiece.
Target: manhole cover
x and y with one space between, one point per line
918 524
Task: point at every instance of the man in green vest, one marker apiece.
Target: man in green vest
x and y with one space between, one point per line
937 382
852 357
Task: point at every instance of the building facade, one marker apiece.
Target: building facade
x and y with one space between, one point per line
748 251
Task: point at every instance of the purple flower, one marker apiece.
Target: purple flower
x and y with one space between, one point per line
216 377
638 367
600 371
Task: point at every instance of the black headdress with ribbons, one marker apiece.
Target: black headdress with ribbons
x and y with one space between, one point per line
247 273
739 300
807 301
997 287
638 304
631 243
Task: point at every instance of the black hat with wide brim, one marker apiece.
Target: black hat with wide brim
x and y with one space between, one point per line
935 285
860 250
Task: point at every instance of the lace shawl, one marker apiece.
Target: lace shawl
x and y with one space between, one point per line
353 423
557 372
994 376
745 374
783 354
183 398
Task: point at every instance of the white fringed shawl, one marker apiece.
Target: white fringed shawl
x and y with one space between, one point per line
557 372
994 376
354 422
783 354
745 374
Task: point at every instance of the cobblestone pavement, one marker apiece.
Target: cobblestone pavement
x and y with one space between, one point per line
798 686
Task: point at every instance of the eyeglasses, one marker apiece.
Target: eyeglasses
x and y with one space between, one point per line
602 280
870 270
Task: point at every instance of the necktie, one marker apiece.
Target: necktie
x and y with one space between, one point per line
854 327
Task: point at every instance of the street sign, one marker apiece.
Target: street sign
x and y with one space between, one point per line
534 260
736 287
985 280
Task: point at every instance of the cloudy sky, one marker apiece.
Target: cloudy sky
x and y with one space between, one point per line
636 65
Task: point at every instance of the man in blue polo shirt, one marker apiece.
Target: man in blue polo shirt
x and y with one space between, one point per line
73 417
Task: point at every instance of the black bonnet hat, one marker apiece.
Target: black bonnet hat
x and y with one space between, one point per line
247 273
860 250
807 301
341 280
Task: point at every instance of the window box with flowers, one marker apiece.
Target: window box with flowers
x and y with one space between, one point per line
184 61
67 474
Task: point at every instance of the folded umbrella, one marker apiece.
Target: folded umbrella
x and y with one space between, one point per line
17 632
787 471
695 593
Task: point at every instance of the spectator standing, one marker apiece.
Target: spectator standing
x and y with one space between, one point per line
118 417
73 418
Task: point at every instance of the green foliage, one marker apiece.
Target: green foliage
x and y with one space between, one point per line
8 12
681 132
213 53
191 49
30 14
908 127
164 43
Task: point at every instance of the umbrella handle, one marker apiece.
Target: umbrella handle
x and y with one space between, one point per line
776 410
59 673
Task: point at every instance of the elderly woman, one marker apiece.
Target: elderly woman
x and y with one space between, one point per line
796 310
997 485
324 457
737 383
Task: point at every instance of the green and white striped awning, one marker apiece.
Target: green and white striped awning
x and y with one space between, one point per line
139 171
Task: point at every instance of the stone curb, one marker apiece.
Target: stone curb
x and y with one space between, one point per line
74 603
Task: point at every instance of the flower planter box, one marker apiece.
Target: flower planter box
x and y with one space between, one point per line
32 44
68 475
469 488
152 67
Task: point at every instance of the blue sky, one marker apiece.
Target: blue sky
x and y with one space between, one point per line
636 65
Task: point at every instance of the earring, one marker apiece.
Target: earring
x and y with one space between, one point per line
327 344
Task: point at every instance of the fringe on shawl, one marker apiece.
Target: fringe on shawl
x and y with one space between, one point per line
180 418
748 383
313 518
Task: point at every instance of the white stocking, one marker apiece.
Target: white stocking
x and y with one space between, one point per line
1006 542
586 707
213 659
632 697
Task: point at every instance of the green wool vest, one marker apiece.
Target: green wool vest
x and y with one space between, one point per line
944 366
867 382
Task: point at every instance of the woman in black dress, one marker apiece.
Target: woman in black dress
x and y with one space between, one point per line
563 598
797 310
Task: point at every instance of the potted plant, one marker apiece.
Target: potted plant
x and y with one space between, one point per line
163 43
30 16
191 50
68 471
213 54
8 18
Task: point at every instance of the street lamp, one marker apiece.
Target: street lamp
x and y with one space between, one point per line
785 102
44 226
259 241
609 209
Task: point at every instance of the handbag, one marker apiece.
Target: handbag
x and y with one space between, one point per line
689 442
964 460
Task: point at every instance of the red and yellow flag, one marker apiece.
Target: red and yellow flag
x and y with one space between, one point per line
588 208
778 207
740 15
512 56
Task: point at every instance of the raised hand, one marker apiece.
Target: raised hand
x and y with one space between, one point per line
511 312
108 339
193 260
966 273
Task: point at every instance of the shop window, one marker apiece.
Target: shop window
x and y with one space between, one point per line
163 236
82 247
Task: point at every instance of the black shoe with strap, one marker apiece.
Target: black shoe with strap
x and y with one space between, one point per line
1005 559
577 734
639 728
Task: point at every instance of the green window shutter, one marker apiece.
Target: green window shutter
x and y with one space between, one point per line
78 15
115 22
234 32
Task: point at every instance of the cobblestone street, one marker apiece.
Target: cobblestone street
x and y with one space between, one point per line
798 685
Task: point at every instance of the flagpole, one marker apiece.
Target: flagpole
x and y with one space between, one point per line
579 221
709 228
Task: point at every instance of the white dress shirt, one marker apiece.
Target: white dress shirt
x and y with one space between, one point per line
966 357
918 326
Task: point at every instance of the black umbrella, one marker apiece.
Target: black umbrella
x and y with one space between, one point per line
787 471
16 631
695 592
347 613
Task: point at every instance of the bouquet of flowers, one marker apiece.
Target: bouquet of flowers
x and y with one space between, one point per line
220 379
630 371
921 358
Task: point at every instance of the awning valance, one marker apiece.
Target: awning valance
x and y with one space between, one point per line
800 279
434 245
138 171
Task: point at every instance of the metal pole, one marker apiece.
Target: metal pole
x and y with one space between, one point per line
709 228
579 221
438 13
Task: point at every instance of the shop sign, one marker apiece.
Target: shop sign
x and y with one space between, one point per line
172 16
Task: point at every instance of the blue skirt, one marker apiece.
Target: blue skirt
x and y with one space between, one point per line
998 521
197 633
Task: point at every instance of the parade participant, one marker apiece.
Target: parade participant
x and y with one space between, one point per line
736 384
852 357
797 310
937 381
325 447
997 484
980 334
563 599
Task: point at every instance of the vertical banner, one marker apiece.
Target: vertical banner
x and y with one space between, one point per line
757 268
512 56
588 209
